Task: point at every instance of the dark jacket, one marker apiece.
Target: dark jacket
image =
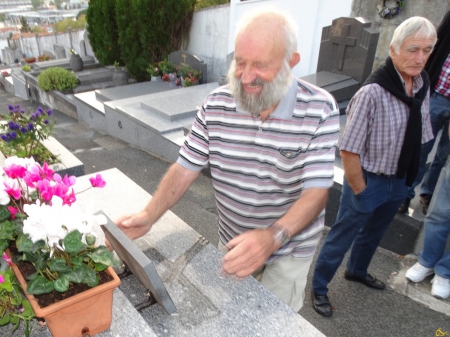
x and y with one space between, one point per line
440 51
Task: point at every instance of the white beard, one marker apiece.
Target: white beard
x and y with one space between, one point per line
272 92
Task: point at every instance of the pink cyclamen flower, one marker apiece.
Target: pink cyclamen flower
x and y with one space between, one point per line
46 172
2 279
13 191
15 171
97 181
13 211
7 259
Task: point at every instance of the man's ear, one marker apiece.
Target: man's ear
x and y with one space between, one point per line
294 59
391 51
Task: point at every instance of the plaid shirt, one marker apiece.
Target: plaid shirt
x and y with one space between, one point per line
443 84
376 125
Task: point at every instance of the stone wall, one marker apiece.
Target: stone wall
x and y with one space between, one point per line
431 9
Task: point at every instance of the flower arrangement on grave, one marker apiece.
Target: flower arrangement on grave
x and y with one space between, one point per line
165 78
29 59
22 132
5 73
155 70
46 231
189 76
43 57
167 67
389 12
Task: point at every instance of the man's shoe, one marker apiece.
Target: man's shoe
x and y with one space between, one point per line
321 304
404 207
417 273
440 288
367 280
425 200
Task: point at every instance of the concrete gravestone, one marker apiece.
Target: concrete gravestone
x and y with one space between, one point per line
60 51
184 58
346 56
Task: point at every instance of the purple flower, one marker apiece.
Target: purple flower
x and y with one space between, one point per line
30 126
46 122
49 112
24 129
40 110
22 111
10 107
13 135
13 126
5 137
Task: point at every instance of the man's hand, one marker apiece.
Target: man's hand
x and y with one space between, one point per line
248 252
133 226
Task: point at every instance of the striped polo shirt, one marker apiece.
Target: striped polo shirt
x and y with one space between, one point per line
260 168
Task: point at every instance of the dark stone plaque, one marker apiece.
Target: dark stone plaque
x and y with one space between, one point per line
348 47
139 264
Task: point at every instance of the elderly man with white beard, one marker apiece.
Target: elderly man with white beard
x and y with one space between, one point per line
269 140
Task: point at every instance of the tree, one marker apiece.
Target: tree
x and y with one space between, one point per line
25 26
58 3
103 32
36 3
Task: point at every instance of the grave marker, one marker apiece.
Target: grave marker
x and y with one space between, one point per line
186 59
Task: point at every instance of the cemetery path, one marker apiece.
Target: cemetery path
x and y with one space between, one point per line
358 310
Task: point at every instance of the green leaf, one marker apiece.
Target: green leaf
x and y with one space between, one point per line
4 213
76 261
3 245
24 244
91 278
100 266
78 274
5 319
90 239
41 262
61 284
39 245
27 309
32 276
39 285
14 319
103 258
73 243
59 264
7 229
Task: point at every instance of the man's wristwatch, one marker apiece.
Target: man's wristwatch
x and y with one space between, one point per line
280 234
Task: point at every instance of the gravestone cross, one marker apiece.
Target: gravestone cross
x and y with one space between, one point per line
342 41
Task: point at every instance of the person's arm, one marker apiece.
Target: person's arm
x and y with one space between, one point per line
353 171
171 188
251 249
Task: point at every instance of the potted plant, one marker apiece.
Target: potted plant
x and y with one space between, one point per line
120 75
22 132
168 68
76 63
26 68
55 250
155 72
43 57
29 59
14 307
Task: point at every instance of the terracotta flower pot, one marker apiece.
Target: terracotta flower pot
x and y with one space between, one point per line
84 314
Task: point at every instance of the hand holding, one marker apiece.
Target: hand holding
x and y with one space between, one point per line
248 252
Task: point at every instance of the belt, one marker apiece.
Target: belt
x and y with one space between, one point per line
379 174
384 175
